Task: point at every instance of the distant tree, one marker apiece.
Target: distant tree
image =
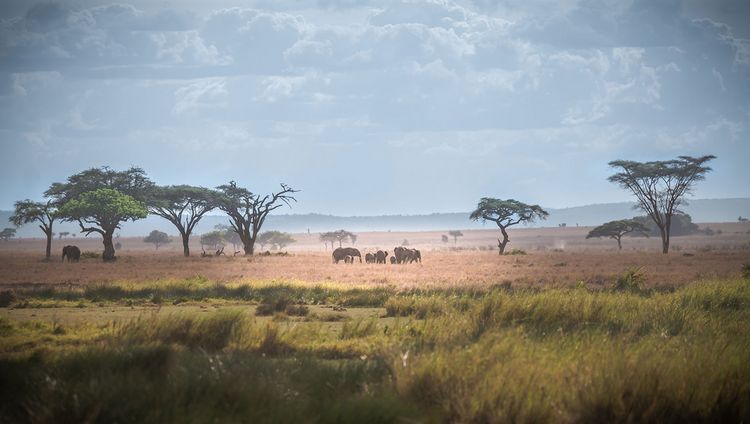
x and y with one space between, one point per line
339 236
213 239
247 211
455 234
444 238
230 236
660 186
282 240
118 246
741 219
506 213
63 234
562 225
353 238
327 238
100 199
7 234
682 225
45 213
405 242
157 238
183 206
616 229
265 238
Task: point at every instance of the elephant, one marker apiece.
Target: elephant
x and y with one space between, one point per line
340 254
416 256
401 254
393 260
380 257
370 258
348 259
406 256
73 253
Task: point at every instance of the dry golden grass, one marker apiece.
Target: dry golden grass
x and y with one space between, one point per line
556 257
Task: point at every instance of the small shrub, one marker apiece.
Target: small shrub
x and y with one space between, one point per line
632 281
516 252
90 255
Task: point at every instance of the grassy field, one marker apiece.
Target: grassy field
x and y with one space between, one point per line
567 335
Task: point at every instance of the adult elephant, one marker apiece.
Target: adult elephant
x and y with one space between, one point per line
73 253
342 252
401 254
370 258
380 256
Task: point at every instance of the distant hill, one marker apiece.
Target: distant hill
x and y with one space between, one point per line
701 210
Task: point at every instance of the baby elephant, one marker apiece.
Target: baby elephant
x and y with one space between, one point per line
73 253
370 258
348 259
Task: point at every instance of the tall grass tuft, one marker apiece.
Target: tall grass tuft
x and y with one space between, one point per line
210 332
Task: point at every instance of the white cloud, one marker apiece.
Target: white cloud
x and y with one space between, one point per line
201 94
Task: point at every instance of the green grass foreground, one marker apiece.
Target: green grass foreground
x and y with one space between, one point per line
500 355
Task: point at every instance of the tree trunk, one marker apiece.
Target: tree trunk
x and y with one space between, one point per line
109 248
185 245
48 252
249 247
504 242
664 240
619 243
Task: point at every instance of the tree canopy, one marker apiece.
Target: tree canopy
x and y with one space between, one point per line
277 239
506 213
45 213
660 186
7 234
213 239
616 229
339 235
455 234
157 238
183 206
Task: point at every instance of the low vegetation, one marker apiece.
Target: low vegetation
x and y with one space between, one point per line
499 354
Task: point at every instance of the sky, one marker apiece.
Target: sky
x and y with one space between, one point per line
375 107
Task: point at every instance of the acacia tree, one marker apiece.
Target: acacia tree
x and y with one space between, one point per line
616 229
183 206
100 199
7 234
455 234
63 234
45 214
157 238
506 213
247 211
339 236
660 186
265 238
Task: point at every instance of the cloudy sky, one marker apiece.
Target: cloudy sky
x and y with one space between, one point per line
374 107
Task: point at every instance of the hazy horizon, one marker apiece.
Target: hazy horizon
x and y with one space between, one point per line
375 108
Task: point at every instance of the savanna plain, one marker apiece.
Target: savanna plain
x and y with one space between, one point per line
559 329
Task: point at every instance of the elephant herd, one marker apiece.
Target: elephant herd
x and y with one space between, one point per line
401 255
